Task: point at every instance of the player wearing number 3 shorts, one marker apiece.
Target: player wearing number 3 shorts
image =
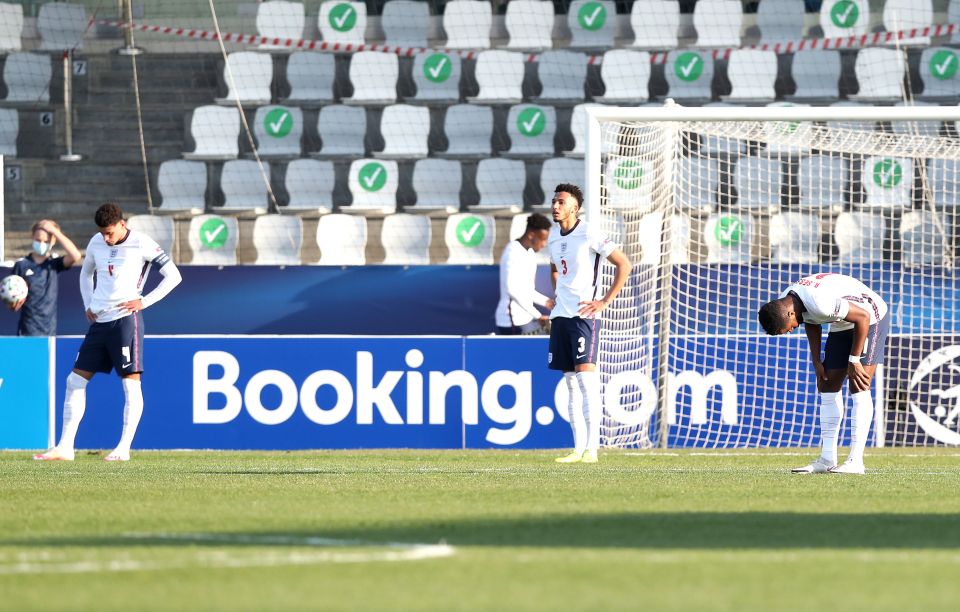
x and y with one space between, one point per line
576 253
121 258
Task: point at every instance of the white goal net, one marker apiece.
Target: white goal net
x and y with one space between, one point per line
720 209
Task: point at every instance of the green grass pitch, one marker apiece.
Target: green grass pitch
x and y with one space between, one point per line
479 530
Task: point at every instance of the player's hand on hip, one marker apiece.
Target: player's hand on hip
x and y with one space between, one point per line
551 304
857 374
132 306
591 308
90 316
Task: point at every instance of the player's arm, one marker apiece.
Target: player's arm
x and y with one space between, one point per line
622 267
73 255
86 284
171 278
520 288
815 340
861 327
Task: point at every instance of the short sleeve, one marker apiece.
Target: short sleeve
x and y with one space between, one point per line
600 243
58 265
17 268
831 308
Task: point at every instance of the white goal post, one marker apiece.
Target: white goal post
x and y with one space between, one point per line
720 208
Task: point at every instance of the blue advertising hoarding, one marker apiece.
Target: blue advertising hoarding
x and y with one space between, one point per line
25 401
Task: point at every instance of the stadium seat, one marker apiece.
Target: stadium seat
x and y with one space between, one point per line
342 22
887 182
823 181
11 26
437 183
243 187
278 131
373 75
880 74
27 77
469 129
795 238
406 240
248 75
9 130
655 24
405 129
405 23
342 130
729 238
558 170
900 15
562 74
277 239
859 237
944 178
373 183
470 239
689 75
630 184
213 240
780 20
342 240
592 23
938 71
183 186
61 26
720 146
499 74
436 76
311 76
309 184
578 126
500 183
626 77
930 128
215 131
651 238
953 16
280 20
850 19
696 188
467 24
816 75
161 229
529 24
532 130
923 238
718 23
758 183
788 138
752 74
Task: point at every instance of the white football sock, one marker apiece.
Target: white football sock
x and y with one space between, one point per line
592 406
831 413
132 411
860 424
74 405
576 417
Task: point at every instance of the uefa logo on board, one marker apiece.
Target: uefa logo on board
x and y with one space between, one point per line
934 395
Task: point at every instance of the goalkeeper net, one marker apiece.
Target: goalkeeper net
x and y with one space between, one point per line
720 209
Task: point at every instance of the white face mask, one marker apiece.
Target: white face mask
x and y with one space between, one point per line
41 248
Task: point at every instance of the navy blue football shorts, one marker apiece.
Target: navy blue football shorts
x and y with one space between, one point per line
573 342
837 352
114 345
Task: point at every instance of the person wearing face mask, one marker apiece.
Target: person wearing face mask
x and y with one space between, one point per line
38 311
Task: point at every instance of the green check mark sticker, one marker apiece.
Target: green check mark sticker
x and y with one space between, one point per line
213 233
943 64
688 66
728 231
592 16
342 17
278 122
629 175
887 173
844 14
372 176
470 231
531 121
437 68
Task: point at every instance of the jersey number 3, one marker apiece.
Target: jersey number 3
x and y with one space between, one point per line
563 265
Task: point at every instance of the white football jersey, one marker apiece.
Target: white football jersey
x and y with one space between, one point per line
827 298
121 272
518 293
577 256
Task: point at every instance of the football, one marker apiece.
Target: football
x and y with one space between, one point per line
13 289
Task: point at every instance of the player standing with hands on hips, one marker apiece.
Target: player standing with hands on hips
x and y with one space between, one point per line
859 324
576 250
121 259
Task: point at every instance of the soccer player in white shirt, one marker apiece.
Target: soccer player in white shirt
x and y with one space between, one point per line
858 330
516 311
121 259
576 250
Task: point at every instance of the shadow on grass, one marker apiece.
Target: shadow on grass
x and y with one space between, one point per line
694 530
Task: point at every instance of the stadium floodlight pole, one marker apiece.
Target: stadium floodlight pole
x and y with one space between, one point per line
2 212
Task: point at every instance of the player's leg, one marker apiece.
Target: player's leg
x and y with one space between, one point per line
561 358
588 379
128 361
831 402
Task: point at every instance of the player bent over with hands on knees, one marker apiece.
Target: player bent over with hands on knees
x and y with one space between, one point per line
576 249
121 259
858 331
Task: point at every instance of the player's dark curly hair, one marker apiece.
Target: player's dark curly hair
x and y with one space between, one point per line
108 214
772 317
572 190
537 222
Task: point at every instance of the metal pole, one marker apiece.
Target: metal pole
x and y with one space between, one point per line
129 47
68 107
2 212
